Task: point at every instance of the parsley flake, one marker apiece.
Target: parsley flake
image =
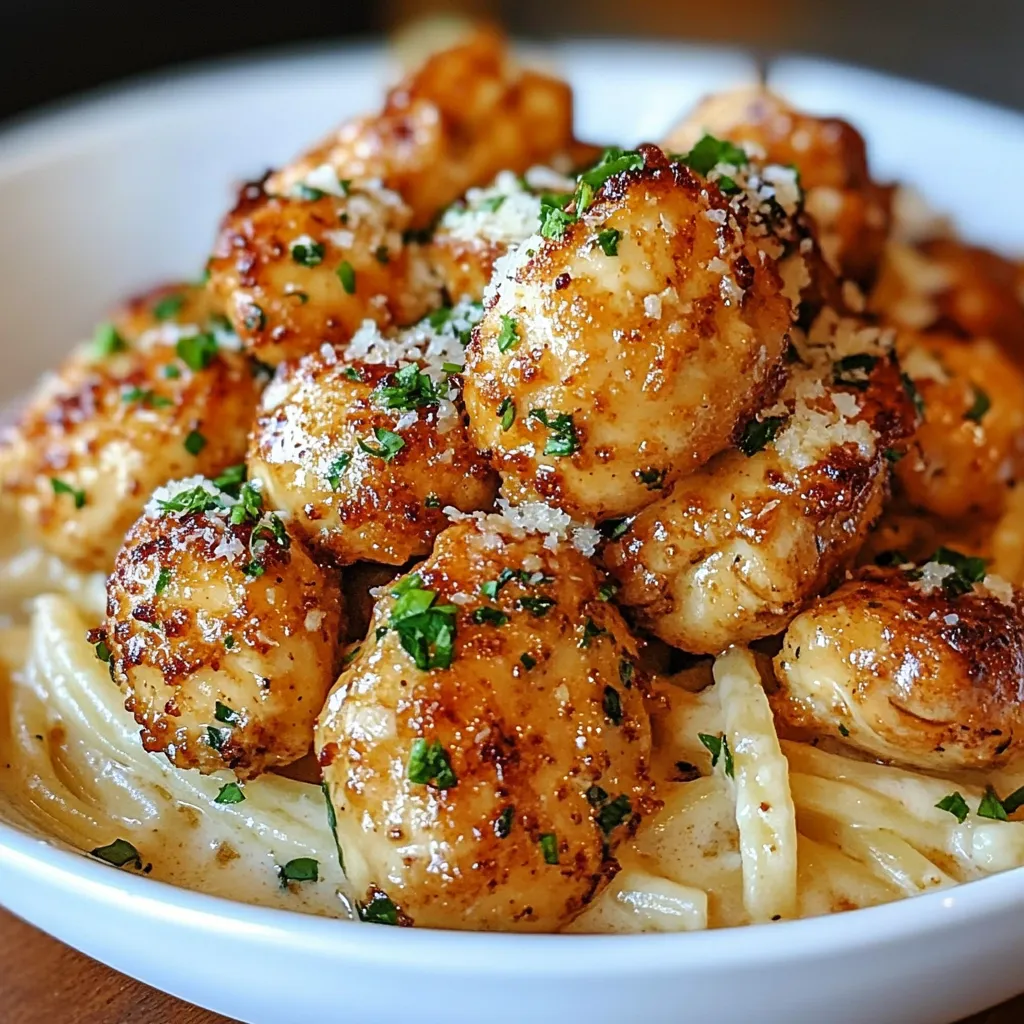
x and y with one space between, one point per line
379 909
508 336
609 241
426 630
198 351
614 813
718 747
347 276
301 869
612 704
407 389
336 468
491 616
430 764
549 847
308 253
107 340
60 487
162 580
230 793
757 434
709 152
194 442
538 607
507 413
992 807
956 805
120 853
503 823
563 440
388 444
981 405
168 307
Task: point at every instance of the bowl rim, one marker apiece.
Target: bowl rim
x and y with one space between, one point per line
57 129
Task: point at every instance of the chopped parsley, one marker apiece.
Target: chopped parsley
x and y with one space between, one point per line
538 607
194 442
162 580
718 748
429 763
379 909
981 405
843 731
709 152
217 737
614 528
492 203
757 434
352 373
613 161
426 630
168 307
893 455
308 254
231 478
332 821
595 795
912 393
503 823
198 499
406 389
60 487
336 468
956 805
107 340
301 869
528 660
223 713
562 440
490 616
382 255
347 276
507 413
146 397
612 704
609 241
607 590
852 371
967 570
387 446
120 853
652 479
553 218
249 507
591 631
1014 801
102 651
198 351
626 672
508 336
614 813
992 807
432 500
549 847
230 793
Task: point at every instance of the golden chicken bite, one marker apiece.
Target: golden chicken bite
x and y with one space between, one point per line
457 121
851 212
487 748
968 451
624 350
221 631
295 271
365 456
922 667
121 417
946 284
739 547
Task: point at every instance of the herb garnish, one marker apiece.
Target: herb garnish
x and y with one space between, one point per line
198 351
709 152
609 241
406 389
508 336
162 580
60 487
168 307
230 793
563 440
107 340
507 413
388 445
347 276
426 630
307 253
120 853
429 763
614 813
378 910
301 869
956 805
503 823
612 704
759 433
336 468
718 747
981 405
549 847
194 442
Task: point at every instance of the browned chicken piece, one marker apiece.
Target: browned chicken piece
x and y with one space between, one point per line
923 667
968 451
222 632
295 271
946 284
160 393
739 547
487 749
366 456
623 349
852 213
466 114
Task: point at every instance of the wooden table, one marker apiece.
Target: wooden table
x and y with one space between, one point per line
42 981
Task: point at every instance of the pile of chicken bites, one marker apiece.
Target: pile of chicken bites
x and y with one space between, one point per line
471 427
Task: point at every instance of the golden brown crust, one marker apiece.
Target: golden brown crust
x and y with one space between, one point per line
739 547
293 272
114 427
968 451
632 346
189 624
367 509
531 735
852 212
466 114
906 675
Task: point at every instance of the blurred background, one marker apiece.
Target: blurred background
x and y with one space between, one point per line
50 48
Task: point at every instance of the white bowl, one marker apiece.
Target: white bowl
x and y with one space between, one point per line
110 195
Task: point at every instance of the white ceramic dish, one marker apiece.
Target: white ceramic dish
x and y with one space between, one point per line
105 196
